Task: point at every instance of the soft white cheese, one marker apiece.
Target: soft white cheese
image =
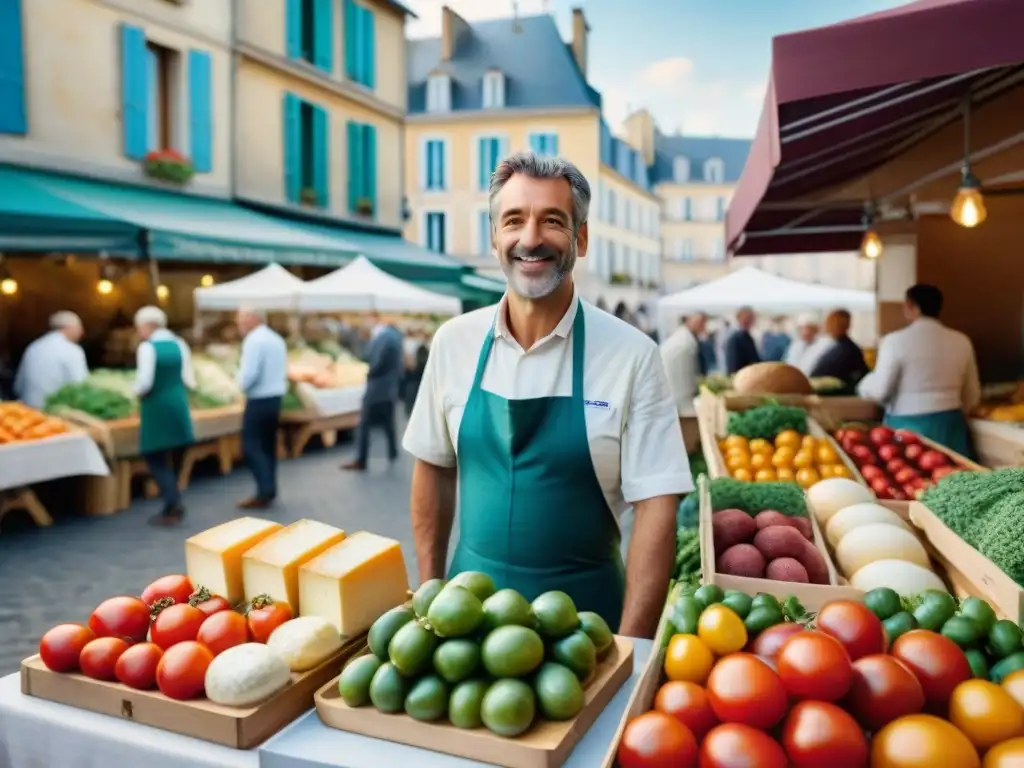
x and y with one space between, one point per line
304 642
246 675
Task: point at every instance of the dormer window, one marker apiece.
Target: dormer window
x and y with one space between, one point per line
439 93
494 90
714 171
681 170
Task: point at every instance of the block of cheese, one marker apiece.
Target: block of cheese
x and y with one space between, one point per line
213 558
272 566
354 582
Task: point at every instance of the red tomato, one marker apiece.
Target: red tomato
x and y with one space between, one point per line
817 733
655 740
854 625
175 587
688 703
734 745
182 670
176 624
883 689
99 657
126 617
208 603
265 616
744 689
61 646
223 630
136 667
770 642
813 665
936 661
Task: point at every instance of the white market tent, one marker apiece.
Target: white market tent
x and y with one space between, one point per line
362 287
271 288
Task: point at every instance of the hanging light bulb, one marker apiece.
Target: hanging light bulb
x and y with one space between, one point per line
104 287
206 281
968 209
162 292
871 246
8 286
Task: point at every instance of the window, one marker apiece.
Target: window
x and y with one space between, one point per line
306 152
307 30
684 249
594 256
434 231
613 259
12 63
360 43
494 90
684 209
719 253
362 169
714 171
439 93
483 232
310 32
490 150
627 213
720 209
544 143
160 128
611 206
681 170
435 168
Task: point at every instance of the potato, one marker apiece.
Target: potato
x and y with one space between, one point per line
769 517
732 526
786 569
741 560
783 541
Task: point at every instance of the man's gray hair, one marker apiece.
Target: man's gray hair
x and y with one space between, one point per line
151 316
65 319
541 167
259 314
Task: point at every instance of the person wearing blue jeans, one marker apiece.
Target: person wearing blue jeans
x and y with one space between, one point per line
263 377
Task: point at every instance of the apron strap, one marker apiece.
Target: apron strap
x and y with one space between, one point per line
481 361
579 348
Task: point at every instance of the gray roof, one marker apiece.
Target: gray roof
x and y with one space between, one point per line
697 149
540 70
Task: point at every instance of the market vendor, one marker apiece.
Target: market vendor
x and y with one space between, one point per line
552 415
263 377
684 365
926 375
740 348
809 345
52 361
162 379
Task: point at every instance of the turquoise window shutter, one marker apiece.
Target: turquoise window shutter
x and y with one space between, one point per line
134 92
552 144
370 165
12 69
537 143
354 135
200 98
368 35
293 28
321 156
292 147
323 33
484 161
351 27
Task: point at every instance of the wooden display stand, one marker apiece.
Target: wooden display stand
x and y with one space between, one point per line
25 498
304 425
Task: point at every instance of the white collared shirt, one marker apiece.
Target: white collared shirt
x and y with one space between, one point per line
49 363
680 354
263 367
804 355
145 362
923 368
635 441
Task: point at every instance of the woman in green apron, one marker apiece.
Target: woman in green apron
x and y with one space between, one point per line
163 377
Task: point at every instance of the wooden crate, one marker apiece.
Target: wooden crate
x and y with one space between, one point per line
998 444
546 745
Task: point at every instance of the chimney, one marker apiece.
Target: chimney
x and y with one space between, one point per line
453 27
579 39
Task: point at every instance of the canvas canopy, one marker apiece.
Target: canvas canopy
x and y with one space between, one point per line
362 287
271 288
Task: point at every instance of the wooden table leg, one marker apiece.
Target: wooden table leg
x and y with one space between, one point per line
329 437
226 454
301 439
25 498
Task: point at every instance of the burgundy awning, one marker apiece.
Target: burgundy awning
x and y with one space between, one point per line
844 99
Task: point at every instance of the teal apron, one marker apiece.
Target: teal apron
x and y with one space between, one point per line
532 512
947 428
165 419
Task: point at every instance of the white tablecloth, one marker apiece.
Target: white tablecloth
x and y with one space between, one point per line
35 733
35 461
331 402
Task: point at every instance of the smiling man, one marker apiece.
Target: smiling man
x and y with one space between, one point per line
548 416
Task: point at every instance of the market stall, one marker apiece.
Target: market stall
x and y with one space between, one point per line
272 288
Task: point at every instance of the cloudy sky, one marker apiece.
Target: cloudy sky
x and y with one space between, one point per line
698 65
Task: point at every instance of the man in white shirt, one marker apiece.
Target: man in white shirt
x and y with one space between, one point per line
52 361
926 375
552 415
684 366
809 345
263 377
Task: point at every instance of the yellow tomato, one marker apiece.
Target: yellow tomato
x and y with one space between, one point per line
922 741
1013 684
826 471
688 658
783 457
788 438
1008 754
986 713
743 474
735 441
802 459
765 476
736 461
757 445
784 473
810 442
760 461
721 630
807 476
841 470
826 454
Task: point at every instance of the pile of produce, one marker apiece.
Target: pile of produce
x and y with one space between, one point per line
787 456
215 386
985 509
772 378
895 463
307 366
687 564
768 545
479 656
836 695
100 403
767 421
19 423
716 383
1001 402
728 493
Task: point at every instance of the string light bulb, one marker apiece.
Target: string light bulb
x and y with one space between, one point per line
871 246
206 281
162 292
8 286
104 287
968 209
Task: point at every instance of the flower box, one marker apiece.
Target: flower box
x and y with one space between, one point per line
169 165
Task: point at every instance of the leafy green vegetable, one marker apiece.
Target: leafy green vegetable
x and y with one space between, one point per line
687 554
785 497
766 421
290 401
95 401
698 464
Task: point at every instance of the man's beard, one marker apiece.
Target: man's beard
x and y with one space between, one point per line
536 283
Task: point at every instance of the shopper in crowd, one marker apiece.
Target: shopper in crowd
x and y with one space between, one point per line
684 366
843 359
926 375
52 361
708 351
416 362
546 416
385 356
263 377
809 345
775 341
163 377
740 349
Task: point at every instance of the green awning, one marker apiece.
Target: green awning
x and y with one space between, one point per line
486 284
173 226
